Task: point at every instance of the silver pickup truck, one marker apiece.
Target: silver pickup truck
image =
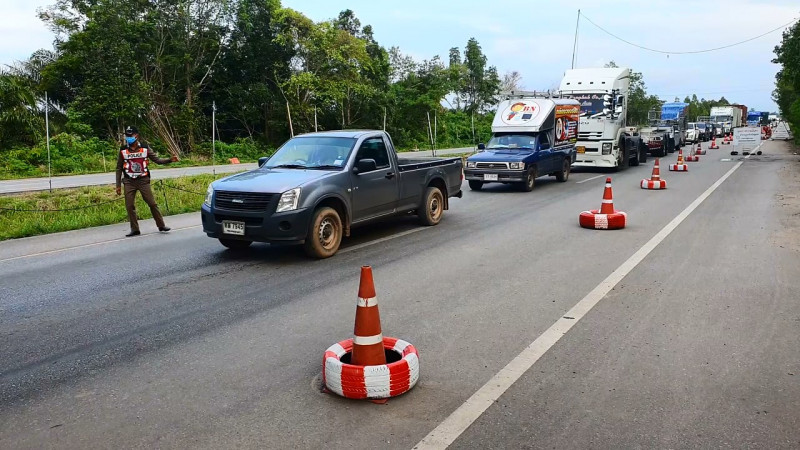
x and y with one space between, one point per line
318 186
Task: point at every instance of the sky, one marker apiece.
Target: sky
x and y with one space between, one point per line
536 38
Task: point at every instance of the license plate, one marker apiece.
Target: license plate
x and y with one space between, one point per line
231 227
581 149
490 177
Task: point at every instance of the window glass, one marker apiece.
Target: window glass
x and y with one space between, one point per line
374 148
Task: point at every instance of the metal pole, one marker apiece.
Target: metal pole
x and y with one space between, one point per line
47 133
384 118
289 113
214 138
575 45
435 130
315 118
473 130
430 130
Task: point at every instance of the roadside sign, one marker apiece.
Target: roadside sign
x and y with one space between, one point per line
746 138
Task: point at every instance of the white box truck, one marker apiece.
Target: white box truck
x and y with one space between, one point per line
604 139
729 116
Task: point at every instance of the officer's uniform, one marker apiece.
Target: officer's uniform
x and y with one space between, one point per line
133 173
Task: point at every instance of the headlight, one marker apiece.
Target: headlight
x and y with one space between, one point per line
517 165
209 195
471 164
607 148
289 200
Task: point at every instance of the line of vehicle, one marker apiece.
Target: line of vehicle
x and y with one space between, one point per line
465 415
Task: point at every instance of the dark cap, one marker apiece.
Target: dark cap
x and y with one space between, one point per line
130 131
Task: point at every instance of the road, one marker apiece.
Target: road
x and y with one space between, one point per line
95 179
679 331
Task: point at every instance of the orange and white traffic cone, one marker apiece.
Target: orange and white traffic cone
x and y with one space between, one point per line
606 218
680 166
655 182
713 146
370 365
368 339
692 156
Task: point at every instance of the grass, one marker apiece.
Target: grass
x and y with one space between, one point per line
93 206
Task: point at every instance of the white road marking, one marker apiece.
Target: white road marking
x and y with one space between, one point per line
93 244
458 422
384 239
589 179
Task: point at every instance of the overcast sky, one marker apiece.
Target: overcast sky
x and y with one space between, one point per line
536 38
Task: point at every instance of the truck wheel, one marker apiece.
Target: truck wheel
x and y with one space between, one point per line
633 162
324 234
530 180
643 155
235 244
475 185
623 158
563 174
430 213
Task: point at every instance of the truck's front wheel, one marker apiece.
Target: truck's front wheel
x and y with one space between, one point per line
325 234
530 180
433 208
475 185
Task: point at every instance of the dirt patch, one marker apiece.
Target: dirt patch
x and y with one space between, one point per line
788 197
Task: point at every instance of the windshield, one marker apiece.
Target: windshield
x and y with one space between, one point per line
702 126
691 125
590 103
513 141
312 152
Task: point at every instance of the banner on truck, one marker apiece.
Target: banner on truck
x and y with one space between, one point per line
567 118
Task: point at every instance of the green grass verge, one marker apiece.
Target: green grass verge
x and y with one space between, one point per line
93 206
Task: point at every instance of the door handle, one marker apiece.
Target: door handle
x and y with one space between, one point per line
390 175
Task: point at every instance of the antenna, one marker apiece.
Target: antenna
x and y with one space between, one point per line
575 45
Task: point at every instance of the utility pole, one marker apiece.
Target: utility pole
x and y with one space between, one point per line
47 133
214 138
575 45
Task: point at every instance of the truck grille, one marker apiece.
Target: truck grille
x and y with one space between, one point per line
583 135
242 201
492 165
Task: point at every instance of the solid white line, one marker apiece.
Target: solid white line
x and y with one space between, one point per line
457 422
589 179
384 239
93 244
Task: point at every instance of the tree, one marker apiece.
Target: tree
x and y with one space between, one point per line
512 81
787 80
475 85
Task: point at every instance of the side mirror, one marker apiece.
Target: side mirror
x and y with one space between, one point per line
263 160
365 165
481 146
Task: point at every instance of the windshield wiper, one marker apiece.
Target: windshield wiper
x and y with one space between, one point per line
288 166
324 167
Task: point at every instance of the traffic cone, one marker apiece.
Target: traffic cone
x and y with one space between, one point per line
606 218
725 140
680 166
700 150
692 156
368 340
713 145
655 182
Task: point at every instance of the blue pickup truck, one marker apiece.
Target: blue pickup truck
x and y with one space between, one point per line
531 137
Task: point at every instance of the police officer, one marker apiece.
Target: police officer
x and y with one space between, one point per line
132 172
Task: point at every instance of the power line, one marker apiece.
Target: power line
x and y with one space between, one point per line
690 51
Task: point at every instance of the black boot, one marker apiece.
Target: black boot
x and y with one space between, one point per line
164 229
133 233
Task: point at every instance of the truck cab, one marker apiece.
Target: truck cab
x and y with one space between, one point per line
531 137
604 139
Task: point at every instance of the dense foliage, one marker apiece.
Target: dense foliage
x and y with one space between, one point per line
787 81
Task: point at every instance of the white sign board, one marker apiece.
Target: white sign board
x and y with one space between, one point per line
746 138
750 136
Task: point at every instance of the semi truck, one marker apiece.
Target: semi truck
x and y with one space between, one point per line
674 114
729 116
754 117
604 139
532 135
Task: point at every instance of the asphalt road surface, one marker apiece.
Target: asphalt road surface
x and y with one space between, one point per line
71 181
679 331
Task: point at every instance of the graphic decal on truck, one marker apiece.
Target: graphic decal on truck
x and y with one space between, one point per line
520 112
567 118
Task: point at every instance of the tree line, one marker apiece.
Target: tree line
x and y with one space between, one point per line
787 80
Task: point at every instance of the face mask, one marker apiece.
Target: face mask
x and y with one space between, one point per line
130 139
